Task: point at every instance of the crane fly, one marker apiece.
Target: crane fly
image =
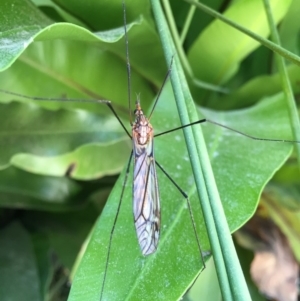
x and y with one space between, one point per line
146 203
145 196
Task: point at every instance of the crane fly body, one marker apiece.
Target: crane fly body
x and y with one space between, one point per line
146 203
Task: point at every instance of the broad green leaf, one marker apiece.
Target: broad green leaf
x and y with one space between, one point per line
18 29
18 270
242 167
90 161
218 51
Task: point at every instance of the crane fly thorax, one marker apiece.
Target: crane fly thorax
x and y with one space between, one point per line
142 130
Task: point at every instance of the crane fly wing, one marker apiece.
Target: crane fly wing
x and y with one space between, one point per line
146 204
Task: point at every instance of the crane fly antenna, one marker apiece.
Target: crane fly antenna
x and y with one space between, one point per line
127 63
161 88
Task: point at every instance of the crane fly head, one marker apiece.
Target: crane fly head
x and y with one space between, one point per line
138 112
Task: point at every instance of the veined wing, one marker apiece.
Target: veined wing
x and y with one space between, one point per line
146 204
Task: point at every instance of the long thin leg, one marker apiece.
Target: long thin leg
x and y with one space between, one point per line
55 98
190 209
118 118
227 128
37 98
181 127
114 224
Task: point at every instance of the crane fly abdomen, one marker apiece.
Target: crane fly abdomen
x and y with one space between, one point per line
146 204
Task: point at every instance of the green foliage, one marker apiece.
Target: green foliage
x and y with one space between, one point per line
55 157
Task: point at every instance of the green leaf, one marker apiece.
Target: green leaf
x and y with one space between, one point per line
87 162
17 29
